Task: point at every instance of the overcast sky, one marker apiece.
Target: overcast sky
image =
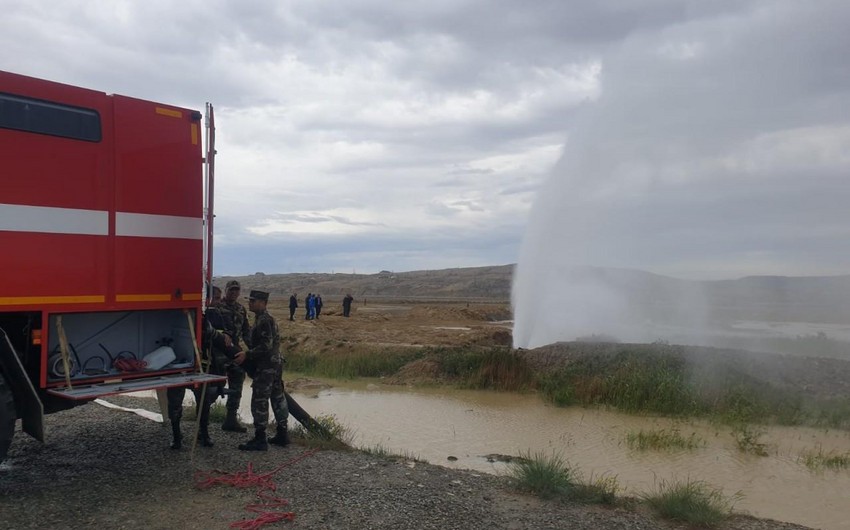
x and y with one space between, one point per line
365 135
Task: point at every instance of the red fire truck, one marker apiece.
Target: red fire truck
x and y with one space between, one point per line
105 247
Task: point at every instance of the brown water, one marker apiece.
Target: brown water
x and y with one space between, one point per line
435 424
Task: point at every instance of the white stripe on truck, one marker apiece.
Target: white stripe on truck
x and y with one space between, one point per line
147 225
44 219
21 218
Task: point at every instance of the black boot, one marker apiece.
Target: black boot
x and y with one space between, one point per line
282 436
231 423
204 436
258 443
176 436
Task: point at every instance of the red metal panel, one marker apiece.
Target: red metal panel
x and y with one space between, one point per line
52 265
48 171
159 266
158 171
158 167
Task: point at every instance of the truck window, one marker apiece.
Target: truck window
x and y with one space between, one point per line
44 117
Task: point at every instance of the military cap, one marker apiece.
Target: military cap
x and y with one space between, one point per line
259 295
232 284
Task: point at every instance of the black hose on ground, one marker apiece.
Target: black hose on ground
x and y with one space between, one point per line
305 419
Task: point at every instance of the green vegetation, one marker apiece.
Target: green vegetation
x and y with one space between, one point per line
630 381
662 440
351 364
657 379
330 434
694 502
546 476
492 368
551 476
818 460
478 368
380 451
748 439
634 378
218 411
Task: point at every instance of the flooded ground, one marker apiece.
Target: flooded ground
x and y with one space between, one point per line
441 425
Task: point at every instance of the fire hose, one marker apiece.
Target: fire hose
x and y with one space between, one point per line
270 505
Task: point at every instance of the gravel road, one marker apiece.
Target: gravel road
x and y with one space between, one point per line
103 468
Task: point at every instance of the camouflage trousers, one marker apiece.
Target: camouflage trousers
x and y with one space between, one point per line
268 387
175 402
235 380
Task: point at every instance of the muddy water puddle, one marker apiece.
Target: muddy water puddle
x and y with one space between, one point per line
459 429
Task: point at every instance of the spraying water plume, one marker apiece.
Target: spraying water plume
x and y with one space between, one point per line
716 149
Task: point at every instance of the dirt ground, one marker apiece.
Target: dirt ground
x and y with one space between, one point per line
396 323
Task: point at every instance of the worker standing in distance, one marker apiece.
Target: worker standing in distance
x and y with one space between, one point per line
293 305
263 363
346 305
236 325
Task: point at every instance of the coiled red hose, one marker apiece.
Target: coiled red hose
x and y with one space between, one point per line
243 479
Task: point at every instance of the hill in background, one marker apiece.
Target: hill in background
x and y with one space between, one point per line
824 299
473 283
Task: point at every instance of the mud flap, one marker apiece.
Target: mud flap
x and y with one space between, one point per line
27 402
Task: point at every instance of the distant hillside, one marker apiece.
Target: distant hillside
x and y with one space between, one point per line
486 283
779 298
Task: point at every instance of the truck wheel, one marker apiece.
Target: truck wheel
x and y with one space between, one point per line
7 417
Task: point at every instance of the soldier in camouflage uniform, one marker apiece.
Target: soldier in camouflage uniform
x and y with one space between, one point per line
265 366
218 350
236 325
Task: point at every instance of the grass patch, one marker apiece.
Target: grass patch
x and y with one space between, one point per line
485 368
218 412
662 440
496 368
748 439
694 502
646 381
818 460
603 489
551 476
657 379
346 364
328 433
546 476
381 451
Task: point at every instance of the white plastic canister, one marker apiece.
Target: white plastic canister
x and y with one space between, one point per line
159 357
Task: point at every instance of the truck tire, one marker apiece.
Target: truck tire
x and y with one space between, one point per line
7 417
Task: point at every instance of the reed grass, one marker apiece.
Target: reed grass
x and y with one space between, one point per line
656 379
694 502
330 434
345 364
551 476
485 368
545 475
817 460
748 439
382 451
662 440
630 382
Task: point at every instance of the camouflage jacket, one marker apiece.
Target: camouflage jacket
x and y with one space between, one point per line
265 341
235 320
215 348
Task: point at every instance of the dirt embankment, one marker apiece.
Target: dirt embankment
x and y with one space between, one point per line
405 324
